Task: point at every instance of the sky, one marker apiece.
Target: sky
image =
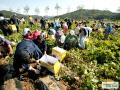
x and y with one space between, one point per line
65 5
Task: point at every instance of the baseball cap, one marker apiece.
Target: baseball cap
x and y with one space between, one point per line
25 31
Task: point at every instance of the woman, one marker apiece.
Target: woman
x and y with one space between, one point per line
84 34
5 47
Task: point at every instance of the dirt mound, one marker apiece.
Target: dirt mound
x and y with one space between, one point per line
15 84
30 81
27 85
11 84
44 83
52 84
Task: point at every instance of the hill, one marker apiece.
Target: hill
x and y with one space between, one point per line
96 14
79 14
9 14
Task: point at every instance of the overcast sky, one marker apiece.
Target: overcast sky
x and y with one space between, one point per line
66 5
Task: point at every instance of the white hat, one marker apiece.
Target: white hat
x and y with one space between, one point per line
88 28
25 31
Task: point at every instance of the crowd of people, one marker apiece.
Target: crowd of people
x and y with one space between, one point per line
33 44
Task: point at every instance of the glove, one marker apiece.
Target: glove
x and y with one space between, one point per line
37 71
30 68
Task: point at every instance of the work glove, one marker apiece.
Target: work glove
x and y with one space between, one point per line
37 71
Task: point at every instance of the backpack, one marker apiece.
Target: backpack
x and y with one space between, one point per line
71 41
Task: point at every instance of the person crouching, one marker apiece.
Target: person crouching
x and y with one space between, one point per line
41 43
25 52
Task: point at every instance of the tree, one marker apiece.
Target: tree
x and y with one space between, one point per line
47 9
18 10
10 9
106 9
37 11
26 9
57 7
78 7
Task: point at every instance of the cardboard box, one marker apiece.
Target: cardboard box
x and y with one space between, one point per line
51 63
60 53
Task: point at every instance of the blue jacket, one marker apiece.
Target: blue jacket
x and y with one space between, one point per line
109 28
31 49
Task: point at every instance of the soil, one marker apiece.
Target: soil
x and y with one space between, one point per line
7 82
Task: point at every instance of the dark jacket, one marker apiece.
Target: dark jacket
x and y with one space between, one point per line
25 51
42 46
14 20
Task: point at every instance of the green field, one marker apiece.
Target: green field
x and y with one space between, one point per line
86 69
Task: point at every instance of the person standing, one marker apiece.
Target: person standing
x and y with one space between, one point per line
14 20
84 34
108 30
43 23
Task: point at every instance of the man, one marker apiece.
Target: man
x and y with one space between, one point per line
57 24
62 39
108 30
25 52
84 34
65 28
58 36
43 23
41 43
14 20
5 47
31 22
69 23
36 34
71 41
27 34
4 26
51 31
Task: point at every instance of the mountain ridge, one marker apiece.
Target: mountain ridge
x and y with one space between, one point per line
78 14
